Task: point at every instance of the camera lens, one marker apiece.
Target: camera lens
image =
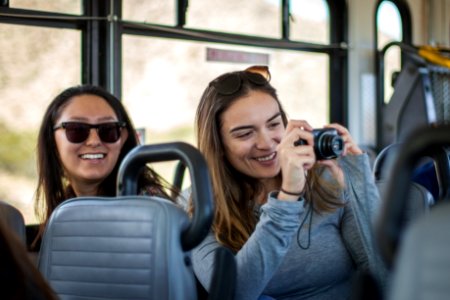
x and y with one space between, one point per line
329 146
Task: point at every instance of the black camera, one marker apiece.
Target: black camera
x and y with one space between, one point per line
328 143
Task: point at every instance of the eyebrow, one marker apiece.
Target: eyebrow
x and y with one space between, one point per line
102 119
250 126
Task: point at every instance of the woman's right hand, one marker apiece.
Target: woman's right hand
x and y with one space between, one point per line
295 160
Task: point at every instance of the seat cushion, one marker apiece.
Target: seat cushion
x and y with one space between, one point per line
117 248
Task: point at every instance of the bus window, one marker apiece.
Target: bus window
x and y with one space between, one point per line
59 6
310 21
159 12
253 17
36 63
388 30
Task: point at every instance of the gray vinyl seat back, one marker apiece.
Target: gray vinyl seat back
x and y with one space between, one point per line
422 270
127 247
13 220
417 253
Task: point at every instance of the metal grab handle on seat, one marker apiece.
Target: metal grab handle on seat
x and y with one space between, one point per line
424 141
442 165
134 162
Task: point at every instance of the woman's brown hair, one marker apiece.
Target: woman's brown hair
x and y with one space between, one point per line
19 275
234 192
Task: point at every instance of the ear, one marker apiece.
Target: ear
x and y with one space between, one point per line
138 138
123 136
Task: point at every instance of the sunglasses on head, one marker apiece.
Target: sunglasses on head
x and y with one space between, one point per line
77 132
231 83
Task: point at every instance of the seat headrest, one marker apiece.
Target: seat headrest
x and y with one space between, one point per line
13 220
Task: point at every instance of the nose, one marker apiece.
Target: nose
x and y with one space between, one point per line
264 141
93 138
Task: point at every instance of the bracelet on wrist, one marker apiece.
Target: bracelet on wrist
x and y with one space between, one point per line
291 193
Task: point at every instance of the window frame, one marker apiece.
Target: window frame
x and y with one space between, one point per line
102 28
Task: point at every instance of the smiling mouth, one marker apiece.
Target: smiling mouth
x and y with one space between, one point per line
266 158
93 156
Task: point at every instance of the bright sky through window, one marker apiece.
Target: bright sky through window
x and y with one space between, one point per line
389 20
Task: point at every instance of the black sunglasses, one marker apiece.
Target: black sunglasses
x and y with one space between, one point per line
231 83
77 132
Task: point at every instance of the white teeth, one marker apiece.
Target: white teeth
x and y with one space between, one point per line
93 156
266 158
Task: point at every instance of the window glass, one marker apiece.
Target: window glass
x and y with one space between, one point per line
163 81
252 17
35 65
388 30
60 6
310 21
389 23
159 12
392 67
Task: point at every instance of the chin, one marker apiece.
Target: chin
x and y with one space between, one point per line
266 175
95 177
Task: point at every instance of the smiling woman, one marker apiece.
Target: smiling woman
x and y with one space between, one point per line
88 158
91 132
279 207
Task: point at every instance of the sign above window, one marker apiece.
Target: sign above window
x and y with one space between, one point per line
233 56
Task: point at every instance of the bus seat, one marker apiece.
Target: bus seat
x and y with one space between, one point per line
13 220
419 198
383 161
19 277
417 254
406 278
420 96
422 270
431 170
418 204
127 247
131 246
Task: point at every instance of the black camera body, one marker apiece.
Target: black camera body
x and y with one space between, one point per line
328 143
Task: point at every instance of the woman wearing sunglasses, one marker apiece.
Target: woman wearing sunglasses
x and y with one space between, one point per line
85 134
299 228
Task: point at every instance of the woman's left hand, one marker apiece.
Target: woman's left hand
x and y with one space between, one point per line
350 147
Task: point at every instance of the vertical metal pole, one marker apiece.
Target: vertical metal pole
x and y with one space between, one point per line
285 17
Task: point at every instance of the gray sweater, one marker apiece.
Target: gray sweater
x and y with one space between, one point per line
286 258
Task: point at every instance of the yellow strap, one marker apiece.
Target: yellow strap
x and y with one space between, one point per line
432 54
